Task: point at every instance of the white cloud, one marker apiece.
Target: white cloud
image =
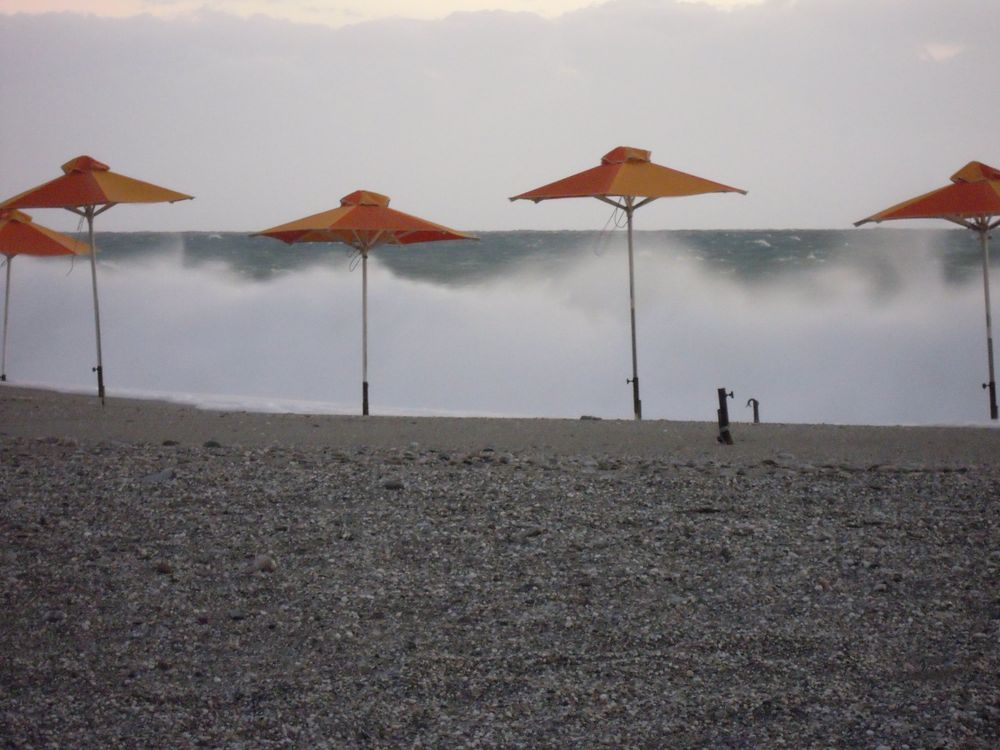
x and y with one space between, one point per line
940 51
726 4
334 13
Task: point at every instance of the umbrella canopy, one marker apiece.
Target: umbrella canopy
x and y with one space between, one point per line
627 179
87 182
972 200
364 221
19 235
88 187
626 172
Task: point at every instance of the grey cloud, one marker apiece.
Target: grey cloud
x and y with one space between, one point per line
825 110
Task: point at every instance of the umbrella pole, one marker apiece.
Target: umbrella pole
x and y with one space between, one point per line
364 333
985 242
636 403
6 305
97 313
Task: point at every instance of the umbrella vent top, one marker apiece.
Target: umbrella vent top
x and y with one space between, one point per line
84 164
365 198
976 171
624 154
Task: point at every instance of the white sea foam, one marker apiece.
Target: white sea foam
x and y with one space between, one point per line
868 337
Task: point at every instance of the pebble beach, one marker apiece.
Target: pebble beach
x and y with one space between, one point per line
183 578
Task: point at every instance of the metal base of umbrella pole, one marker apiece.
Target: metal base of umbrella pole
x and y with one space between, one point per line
636 401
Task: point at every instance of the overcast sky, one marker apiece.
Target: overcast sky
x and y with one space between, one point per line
825 110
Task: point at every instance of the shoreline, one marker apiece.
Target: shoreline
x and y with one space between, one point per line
38 413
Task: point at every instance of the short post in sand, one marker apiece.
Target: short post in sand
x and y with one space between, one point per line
723 412
756 409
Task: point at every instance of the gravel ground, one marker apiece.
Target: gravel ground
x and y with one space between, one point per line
182 596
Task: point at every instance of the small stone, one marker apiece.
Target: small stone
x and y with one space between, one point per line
164 567
265 564
393 484
160 476
212 444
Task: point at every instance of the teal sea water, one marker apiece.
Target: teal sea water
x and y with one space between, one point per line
874 326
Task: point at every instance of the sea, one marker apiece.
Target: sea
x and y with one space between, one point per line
879 326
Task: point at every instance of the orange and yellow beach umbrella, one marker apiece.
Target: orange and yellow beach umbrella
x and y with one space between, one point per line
972 200
88 188
19 235
363 221
628 180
